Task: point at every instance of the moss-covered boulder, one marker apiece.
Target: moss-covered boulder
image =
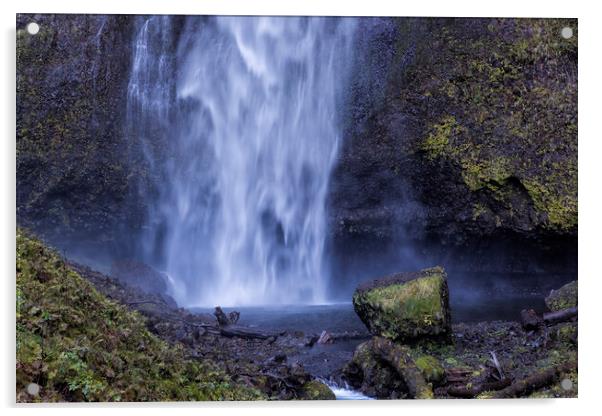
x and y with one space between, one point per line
406 305
431 368
73 344
565 297
316 390
370 375
384 369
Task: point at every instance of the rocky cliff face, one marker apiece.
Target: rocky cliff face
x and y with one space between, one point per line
73 170
460 141
462 133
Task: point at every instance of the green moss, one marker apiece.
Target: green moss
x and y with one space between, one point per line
409 309
79 346
431 368
491 173
513 97
478 209
565 297
315 390
560 208
437 142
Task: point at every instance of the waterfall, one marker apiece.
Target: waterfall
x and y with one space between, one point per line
251 130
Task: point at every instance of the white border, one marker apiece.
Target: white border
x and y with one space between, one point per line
590 272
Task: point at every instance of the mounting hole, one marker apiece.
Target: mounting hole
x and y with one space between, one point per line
566 384
33 389
33 28
566 32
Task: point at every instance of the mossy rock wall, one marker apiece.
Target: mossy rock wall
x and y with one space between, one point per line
75 174
467 139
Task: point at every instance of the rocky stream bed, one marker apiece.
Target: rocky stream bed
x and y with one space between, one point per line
399 357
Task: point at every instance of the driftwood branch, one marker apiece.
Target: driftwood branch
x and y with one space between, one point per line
244 332
400 360
229 331
497 365
560 316
535 381
142 302
470 392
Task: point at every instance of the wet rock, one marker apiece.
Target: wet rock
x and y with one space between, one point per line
316 390
530 320
565 333
370 375
565 297
325 338
406 305
385 369
279 358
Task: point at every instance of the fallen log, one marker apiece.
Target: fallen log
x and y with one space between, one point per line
473 391
398 358
231 331
457 374
562 315
535 381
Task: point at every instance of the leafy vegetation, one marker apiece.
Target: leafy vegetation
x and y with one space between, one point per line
77 345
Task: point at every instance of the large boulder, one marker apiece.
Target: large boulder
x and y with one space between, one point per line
565 297
405 306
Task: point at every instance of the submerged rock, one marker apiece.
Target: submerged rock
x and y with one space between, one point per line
565 297
406 305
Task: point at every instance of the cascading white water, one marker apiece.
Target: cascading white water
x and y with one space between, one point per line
252 146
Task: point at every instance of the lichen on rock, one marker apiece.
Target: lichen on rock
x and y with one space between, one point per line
406 305
565 297
316 390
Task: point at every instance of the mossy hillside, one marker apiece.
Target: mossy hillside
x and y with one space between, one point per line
500 97
79 346
406 309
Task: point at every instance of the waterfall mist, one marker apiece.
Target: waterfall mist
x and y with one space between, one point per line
241 117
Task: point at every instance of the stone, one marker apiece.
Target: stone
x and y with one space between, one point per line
316 390
405 306
431 369
530 320
565 297
325 338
